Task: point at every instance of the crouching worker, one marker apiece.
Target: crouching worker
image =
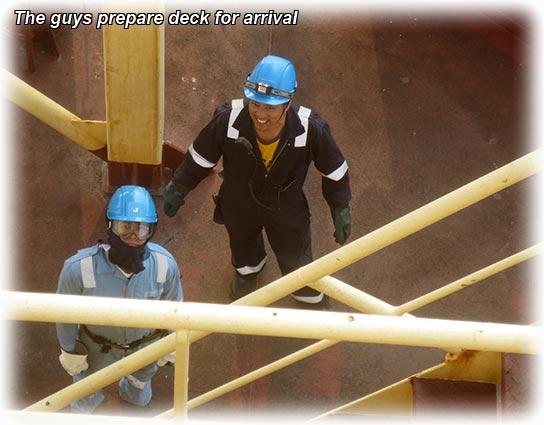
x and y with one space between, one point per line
126 265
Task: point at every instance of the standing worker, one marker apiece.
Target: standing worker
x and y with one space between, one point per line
267 143
127 265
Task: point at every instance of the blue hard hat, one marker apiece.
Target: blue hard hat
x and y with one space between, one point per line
132 203
272 82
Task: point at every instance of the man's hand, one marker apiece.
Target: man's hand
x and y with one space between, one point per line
173 198
74 362
169 359
341 218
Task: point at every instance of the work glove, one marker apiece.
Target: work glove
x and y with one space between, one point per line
169 358
173 198
74 362
341 218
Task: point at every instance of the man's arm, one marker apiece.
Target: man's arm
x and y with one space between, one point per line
69 284
202 156
335 184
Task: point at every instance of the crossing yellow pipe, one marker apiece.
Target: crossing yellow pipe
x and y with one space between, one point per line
404 226
469 194
206 317
358 299
91 135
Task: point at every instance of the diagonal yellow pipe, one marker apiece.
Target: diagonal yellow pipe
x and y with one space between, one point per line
404 226
469 280
91 135
441 208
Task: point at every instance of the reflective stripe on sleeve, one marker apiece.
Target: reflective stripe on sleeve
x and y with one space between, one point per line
87 272
199 159
338 173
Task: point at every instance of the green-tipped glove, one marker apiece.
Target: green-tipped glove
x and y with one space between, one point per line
173 198
341 218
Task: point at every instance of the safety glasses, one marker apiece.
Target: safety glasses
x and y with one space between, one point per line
124 229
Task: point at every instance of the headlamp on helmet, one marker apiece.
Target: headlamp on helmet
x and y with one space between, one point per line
266 89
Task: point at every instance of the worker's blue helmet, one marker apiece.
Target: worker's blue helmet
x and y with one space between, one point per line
272 82
132 203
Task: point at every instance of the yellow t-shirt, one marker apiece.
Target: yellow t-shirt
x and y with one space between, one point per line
267 152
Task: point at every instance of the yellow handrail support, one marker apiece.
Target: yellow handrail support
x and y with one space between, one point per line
89 134
181 381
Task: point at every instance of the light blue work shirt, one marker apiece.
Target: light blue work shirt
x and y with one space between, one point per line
90 273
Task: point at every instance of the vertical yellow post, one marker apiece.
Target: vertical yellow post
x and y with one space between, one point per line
181 376
134 74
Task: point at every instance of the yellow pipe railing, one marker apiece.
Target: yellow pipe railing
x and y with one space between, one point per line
498 180
333 287
441 208
279 322
363 302
407 225
247 320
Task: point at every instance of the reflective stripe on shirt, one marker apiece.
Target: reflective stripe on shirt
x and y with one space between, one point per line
89 281
238 105
162 267
87 272
303 114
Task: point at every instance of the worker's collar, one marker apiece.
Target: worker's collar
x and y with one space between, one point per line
292 128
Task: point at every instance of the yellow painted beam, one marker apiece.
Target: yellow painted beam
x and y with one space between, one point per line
134 74
394 400
397 399
475 366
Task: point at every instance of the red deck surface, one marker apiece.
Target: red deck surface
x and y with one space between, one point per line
420 106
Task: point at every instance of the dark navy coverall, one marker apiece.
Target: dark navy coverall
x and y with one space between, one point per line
250 198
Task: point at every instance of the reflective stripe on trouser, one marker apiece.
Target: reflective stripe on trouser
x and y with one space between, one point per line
135 388
289 237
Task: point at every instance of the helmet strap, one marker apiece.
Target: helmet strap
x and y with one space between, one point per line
285 108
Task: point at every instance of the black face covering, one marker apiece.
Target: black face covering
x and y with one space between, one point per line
128 257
